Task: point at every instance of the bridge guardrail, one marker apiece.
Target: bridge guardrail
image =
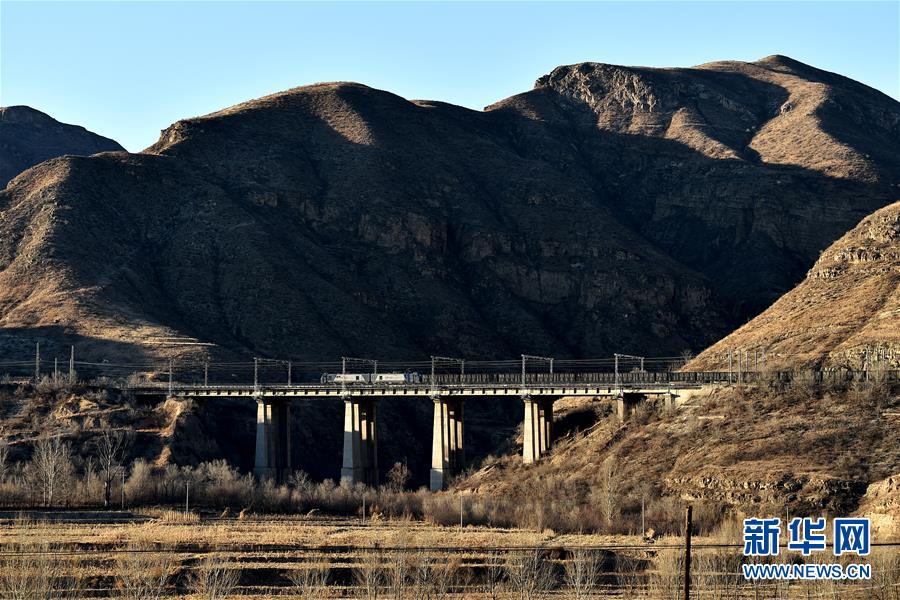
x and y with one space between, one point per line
515 380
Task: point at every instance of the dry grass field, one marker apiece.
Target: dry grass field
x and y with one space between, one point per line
167 553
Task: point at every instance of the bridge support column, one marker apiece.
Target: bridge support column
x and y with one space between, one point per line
538 428
273 440
447 448
360 461
670 401
626 403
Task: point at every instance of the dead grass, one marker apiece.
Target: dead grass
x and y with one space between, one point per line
803 447
391 561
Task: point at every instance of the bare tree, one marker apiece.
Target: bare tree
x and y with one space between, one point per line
51 464
370 574
398 476
311 581
30 571
212 579
583 572
529 574
4 458
110 451
434 576
494 577
143 573
610 490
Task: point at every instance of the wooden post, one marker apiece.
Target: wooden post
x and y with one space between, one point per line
688 522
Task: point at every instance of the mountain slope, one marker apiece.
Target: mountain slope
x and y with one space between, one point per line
610 208
750 450
28 137
845 313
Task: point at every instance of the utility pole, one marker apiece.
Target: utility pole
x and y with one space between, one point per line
527 357
289 366
255 374
72 364
449 359
37 363
206 373
523 370
628 356
643 528
55 370
187 496
123 487
688 522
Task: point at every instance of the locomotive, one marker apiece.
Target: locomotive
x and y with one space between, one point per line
397 378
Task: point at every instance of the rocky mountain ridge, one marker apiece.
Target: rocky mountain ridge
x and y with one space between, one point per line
28 137
608 209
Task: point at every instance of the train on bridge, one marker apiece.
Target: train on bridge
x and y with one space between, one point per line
373 378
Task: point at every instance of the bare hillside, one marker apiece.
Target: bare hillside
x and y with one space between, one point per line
28 137
608 209
759 450
846 313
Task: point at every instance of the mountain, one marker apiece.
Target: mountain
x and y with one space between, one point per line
846 313
608 209
28 137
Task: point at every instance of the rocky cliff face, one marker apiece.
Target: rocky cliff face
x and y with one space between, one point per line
28 136
610 208
846 313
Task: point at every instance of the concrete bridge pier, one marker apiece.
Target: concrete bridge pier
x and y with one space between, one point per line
626 402
273 439
360 461
447 448
538 428
670 401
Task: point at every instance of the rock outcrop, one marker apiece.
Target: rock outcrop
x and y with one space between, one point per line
881 504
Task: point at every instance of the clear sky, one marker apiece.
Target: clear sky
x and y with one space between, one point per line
128 69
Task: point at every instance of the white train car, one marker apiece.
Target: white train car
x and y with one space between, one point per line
385 378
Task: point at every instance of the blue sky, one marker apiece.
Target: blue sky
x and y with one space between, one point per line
128 69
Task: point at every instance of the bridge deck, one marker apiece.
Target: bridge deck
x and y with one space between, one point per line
413 390
503 384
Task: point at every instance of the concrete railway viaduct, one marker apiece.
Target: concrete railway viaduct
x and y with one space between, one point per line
537 381
448 393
